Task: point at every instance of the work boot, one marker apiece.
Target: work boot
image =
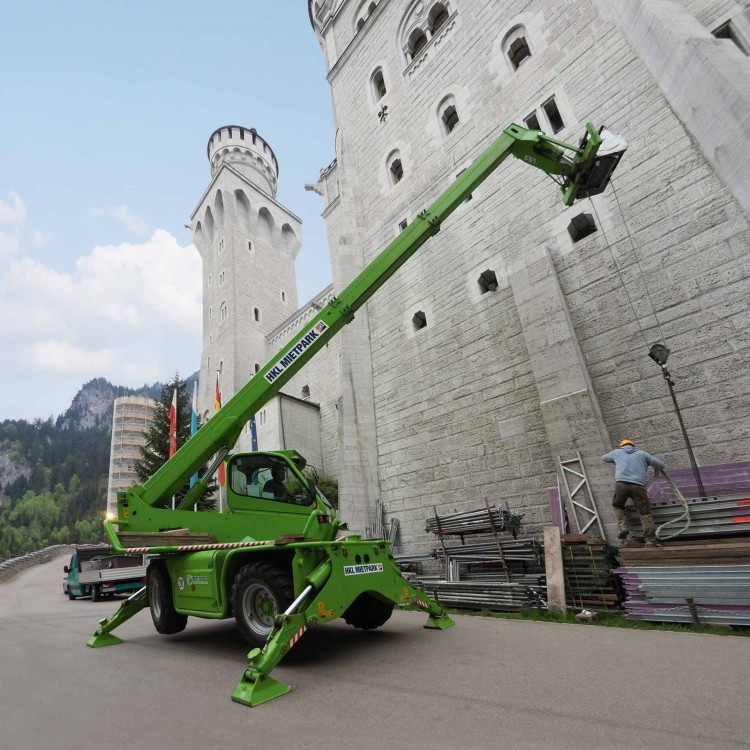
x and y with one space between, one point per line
624 534
653 543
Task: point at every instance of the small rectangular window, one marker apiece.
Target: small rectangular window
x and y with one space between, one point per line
283 296
553 115
532 121
403 224
249 245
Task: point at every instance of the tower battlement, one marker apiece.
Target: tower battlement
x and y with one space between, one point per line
248 152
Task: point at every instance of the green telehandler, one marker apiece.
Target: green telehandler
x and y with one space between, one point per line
277 560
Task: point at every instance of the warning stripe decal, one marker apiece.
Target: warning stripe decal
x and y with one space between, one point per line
297 635
200 547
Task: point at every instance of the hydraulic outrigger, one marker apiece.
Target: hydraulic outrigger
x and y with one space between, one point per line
277 564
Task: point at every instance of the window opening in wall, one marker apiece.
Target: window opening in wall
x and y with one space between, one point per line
305 391
553 115
223 311
437 16
487 281
221 245
519 52
727 31
210 279
417 42
450 118
208 364
470 196
419 320
283 296
378 82
249 245
403 224
221 278
532 122
360 23
210 338
581 226
257 368
221 366
397 171
256 315
210 312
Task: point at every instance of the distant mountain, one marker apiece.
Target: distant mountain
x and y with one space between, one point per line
92 406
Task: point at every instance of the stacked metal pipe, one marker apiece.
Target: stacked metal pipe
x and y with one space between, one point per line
474 521
490 595
587 566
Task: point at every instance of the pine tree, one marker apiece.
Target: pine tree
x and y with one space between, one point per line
155 453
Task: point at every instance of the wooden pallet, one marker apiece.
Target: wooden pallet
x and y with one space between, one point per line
172 537
719 552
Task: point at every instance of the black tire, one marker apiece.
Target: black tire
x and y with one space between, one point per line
260 592
167 620
96 594
71 596
368 612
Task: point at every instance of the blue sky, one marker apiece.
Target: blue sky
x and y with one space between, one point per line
105 111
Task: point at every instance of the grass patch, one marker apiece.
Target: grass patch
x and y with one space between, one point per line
606 619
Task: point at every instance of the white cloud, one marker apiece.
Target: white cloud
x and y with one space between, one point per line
65 359
131 313
124 215
13 212
37 238
8 245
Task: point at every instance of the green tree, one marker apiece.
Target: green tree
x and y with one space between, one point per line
155 453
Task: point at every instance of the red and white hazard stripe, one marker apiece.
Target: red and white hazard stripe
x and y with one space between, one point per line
200 547
421 603
297 635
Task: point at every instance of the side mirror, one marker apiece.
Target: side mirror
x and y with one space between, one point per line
313 490
66 569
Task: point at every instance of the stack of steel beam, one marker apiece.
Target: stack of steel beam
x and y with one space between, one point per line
706 582
521 550
710 516
473 521
587 565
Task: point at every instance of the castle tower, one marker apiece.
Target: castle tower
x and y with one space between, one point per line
248 242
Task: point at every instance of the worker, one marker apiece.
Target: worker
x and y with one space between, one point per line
630 479
276 485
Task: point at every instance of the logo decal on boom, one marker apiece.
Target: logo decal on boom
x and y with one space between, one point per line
311 336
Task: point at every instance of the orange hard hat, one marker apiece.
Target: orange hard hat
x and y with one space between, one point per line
627 442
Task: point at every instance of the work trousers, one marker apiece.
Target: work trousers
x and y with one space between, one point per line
625 490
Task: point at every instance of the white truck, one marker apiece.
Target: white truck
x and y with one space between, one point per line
95 570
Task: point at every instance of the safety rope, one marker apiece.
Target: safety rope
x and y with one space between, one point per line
685 515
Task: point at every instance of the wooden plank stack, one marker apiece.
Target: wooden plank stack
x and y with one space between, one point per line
587 566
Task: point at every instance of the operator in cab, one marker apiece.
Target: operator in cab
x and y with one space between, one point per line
275 484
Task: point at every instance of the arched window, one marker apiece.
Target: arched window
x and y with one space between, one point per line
395 167
378 84
210 312
448 114
256 315
437 16
223 311
516 46
417 42
210 279
257 368
221 367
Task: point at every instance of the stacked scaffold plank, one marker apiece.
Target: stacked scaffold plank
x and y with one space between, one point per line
587 565
685 581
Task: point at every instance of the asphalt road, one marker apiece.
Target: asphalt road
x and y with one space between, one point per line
485 683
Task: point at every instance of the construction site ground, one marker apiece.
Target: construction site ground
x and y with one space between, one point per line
486 683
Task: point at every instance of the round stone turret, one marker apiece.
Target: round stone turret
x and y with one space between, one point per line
247 152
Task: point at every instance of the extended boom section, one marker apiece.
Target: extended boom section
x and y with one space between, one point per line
275 560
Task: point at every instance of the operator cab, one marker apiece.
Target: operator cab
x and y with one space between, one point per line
262 481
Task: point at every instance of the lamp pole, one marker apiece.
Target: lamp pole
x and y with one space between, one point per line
659 353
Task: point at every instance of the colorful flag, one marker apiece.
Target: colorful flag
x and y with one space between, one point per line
194 423
173 425
217 406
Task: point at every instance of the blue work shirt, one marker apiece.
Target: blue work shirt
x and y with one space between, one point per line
631 464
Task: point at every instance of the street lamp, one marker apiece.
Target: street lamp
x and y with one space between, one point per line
660 353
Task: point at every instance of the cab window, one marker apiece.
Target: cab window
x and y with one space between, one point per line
266 478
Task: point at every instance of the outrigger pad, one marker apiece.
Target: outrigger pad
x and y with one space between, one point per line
441 622
103 639
261 689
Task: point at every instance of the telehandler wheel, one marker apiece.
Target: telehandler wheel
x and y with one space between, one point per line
96 594
71 595
368 612
260 592
166 619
